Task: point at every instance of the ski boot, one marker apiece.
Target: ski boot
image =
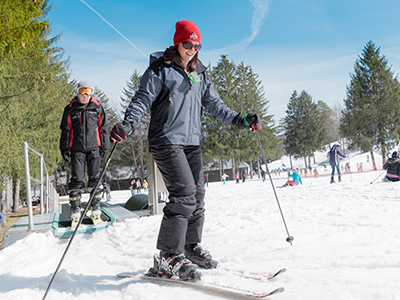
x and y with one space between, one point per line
75 203
339 179
94 212
169 265
332 179
196 254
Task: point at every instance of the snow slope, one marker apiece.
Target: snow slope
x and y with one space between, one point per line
346 245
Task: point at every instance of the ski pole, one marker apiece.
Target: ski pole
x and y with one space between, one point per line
351 176
378 176
80 221
289 239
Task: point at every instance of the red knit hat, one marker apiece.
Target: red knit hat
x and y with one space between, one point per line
186 31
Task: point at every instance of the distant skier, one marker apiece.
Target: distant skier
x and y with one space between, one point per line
237 177
393 167
138 186
132 187
224 177
145 184
334 154
263 175
296 179
107 191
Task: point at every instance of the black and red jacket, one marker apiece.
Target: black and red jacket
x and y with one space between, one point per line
84 129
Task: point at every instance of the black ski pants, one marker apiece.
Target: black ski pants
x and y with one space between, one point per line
78 161
182 170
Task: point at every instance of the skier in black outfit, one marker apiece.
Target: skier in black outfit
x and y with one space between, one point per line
175 88
393 167
84 139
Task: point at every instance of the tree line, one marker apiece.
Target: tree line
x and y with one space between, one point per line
369 120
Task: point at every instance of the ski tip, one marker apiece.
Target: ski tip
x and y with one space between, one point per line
278 290
273 275
263 295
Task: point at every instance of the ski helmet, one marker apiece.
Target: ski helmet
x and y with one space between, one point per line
337 145
395 154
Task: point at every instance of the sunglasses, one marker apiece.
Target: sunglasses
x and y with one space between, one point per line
85 90
188 45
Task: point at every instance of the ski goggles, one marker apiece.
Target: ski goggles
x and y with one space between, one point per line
85 90
188 45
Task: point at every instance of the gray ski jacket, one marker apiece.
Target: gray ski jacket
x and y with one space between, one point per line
176 103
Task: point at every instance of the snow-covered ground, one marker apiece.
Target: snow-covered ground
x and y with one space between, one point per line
346 245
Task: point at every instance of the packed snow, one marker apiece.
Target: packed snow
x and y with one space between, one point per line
346 244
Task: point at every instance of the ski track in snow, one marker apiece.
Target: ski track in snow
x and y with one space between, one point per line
346 246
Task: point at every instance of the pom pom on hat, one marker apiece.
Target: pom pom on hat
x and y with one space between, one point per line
186 31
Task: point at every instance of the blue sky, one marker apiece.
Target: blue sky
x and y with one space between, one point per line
292 45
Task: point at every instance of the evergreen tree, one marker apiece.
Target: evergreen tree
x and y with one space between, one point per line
112 118
133 153
215 134
304 126
239 87
34 85
371 117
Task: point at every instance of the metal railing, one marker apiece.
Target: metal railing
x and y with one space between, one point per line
48 194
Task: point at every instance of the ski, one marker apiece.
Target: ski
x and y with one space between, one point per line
254 275
74 222
95 220
203 285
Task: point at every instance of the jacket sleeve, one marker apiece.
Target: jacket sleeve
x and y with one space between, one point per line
386 165
105 137
340 153
150 87
214 104
64 131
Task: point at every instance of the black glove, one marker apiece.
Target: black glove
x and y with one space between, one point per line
250 121
103 153
66 156
121 131
253 121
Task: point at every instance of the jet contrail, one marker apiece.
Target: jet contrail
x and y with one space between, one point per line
113 28
259 13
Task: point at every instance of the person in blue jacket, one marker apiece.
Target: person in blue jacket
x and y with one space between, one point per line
176 88
334 154
296 179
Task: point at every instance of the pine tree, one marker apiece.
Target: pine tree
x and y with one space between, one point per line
239 87
34 85
304 126
134 152
112 118
371 117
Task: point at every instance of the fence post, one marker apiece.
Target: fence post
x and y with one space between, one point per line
28 187
42 197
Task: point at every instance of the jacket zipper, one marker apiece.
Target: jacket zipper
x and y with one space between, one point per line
84 129
190 112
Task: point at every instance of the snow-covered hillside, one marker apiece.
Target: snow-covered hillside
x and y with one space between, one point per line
346 245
